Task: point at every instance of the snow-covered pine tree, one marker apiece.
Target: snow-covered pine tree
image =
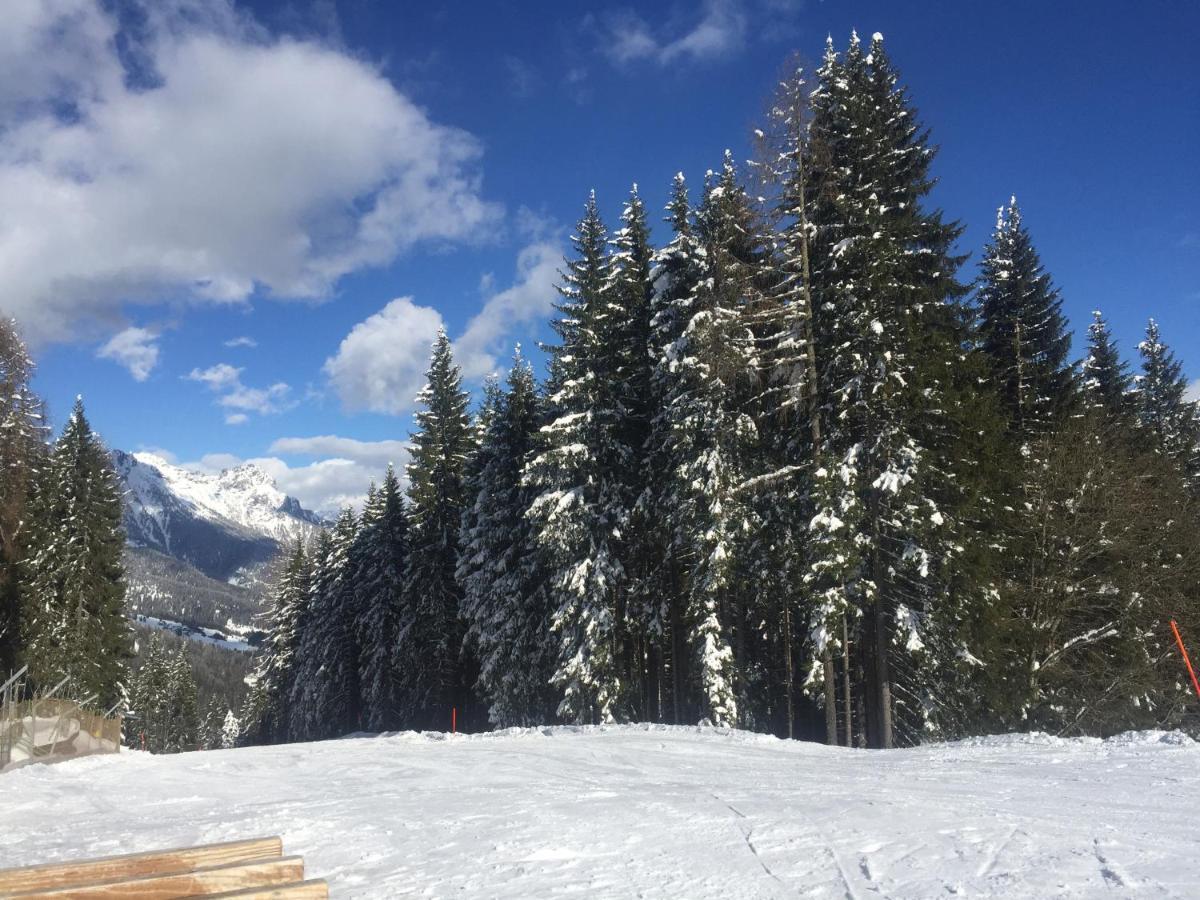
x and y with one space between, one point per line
506 595
581 507
302 683
1023 330
884 292
266 716
704 374
631 293
1106 381
22 452
74 593
181 713
333 700
1166 414
788 406
380 586
677 272
231 731
429 651
162 701
208 736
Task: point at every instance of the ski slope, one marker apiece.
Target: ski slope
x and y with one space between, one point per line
650 811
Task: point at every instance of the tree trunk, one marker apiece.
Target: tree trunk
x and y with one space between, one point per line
831 729
847 697
788 673
677 657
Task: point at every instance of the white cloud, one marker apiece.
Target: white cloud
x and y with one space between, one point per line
530 299
1193 391
226 381
720 31
338 477
242 341
381 364
223 162
378 454
135 349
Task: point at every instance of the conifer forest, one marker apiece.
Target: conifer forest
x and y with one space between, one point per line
793 466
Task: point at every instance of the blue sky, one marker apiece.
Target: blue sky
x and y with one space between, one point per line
331 181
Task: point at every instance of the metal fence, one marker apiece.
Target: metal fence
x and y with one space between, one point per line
48 727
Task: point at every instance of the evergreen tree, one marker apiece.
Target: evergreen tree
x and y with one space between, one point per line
1171 420
181 713
1023 330
1108 555
162 701
329 700
231 731
74 595
581 508
710 438
885 292
631 294
208 735
266 715
21 456
1106 380
431 635
302 723
506 597
678 270
380 587
790 402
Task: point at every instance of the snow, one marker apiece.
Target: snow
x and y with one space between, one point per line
650 811
244 496
199 634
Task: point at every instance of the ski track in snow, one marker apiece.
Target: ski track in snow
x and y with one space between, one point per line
650 811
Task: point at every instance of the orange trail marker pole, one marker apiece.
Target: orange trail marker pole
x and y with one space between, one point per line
1186 661
454 715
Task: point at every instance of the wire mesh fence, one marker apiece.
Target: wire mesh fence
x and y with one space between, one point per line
47 727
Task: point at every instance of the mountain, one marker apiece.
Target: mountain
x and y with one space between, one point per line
228 526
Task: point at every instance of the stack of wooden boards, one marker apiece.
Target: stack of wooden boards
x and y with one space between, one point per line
249 870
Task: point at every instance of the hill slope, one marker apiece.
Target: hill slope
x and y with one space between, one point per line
650 811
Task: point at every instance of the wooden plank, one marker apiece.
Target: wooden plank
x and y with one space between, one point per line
201 882
301 890
136 865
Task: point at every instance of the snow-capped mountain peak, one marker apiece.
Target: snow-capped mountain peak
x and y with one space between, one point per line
220 523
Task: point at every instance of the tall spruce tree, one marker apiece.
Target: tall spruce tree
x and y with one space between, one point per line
302 722
581 508
789 404
1023 330
74 591
1171 420
885 292
332 697
266 718
21 455
677 272
164 717
631 293
506 591
380 587
429 652
710 439
1106 381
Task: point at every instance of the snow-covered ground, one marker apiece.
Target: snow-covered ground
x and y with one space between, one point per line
650 811
200 634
